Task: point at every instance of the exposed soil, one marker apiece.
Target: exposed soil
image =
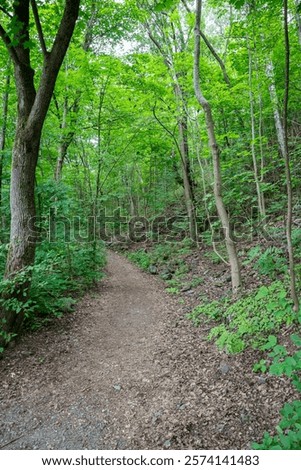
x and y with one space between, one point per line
127 370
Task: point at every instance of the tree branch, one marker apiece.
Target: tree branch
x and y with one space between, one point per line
158 46
211 49
217 57
39 27
11 50
186 6
53 62
168 132
58 112
6 12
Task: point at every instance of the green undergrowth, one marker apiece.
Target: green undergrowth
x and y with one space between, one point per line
248 320
61 273
270 262
281 362
254 321
166 259
288 431
161 253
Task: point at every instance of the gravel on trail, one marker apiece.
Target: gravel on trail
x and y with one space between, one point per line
127 370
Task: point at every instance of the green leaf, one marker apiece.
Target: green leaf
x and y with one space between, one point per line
237 3
263 292
290 361
285 441
296 339
164 5
272 341
276 369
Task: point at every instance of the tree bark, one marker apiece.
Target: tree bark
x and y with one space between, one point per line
221 209
187 181
66 138
275 107
32 110
260 195
289 216
182 141
5 97
282 137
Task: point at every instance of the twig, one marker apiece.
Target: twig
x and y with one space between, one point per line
6 12
39 27
168 132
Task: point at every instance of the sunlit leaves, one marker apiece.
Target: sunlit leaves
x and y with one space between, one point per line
162 5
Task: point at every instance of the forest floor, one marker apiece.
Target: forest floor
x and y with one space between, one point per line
127 370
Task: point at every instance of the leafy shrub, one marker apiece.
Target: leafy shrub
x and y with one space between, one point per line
269 263
288 431
141 258
248 320
280 362
60 272
210 310
172 290
253 253
163 254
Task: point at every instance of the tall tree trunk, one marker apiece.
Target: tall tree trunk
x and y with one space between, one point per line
282 137
22 203
187 180
275 107
221 209
184 154
66 137
65 141
3 128
289 216
32 110
182 144
260 195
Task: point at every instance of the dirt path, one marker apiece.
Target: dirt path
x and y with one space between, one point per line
127 371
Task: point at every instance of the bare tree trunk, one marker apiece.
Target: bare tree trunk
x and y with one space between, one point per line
66 137
275 107
260 128
289 216
223 215
282 137
260 195
65 141
188 185
182 144
5 97
102 94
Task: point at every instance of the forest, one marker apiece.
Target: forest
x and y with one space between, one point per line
168 132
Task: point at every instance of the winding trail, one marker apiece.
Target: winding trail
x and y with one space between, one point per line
81 389
126 370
